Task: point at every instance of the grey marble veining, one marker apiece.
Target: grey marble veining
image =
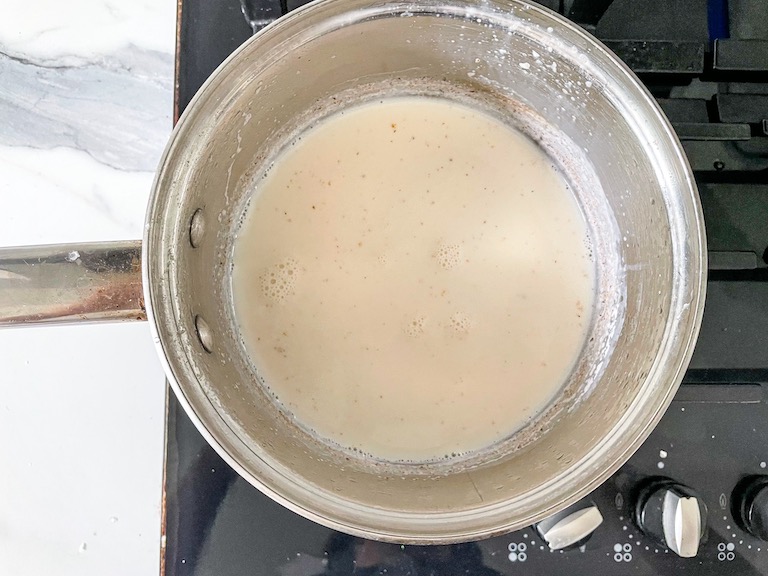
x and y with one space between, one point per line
116 109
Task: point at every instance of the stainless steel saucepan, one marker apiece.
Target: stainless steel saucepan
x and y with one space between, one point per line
543 74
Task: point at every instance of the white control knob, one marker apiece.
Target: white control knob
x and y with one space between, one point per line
673 515
570 527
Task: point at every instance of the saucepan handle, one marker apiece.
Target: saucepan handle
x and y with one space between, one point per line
66 283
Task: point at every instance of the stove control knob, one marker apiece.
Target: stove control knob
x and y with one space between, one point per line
750 500
571 527
672 514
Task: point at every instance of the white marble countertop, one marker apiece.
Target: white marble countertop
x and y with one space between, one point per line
86 91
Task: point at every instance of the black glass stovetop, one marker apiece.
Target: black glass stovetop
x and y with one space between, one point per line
707 64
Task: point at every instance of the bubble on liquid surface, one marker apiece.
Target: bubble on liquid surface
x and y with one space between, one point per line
415 327
460 323
278 282
448 255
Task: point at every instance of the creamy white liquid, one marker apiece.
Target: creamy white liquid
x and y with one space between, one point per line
412 279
